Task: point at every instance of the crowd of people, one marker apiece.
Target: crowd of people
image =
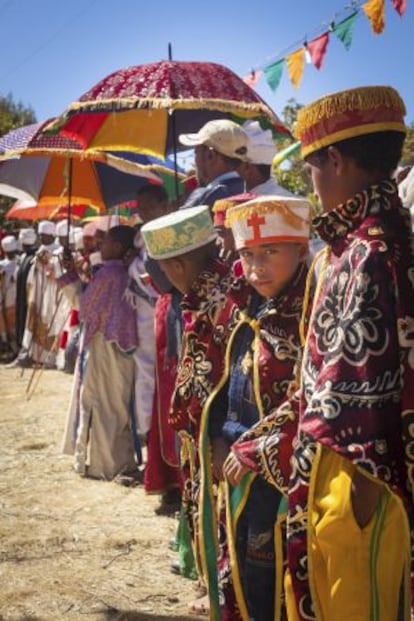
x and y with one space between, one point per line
263 356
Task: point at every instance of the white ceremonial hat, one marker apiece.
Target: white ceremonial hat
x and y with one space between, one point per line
27 236
46 227
9 243
179 232
62 228
270 220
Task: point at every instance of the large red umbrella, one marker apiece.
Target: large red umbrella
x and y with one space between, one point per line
145 108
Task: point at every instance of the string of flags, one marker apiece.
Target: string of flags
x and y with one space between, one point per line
314 51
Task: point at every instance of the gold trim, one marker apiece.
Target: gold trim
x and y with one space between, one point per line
352 132
231 527
271 207
361 98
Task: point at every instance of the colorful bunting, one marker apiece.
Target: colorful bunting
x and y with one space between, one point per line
375 11
253 78
314 52
273 74
400 6
296 64
344 30
317 49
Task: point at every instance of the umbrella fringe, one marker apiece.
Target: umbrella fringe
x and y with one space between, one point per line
156 103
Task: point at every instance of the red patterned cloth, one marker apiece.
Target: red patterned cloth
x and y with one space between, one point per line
162 471
203 346
357 373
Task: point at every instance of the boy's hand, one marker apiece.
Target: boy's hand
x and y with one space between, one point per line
220 452
234 470
364 498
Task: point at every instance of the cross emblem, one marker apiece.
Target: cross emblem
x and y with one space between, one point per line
255 221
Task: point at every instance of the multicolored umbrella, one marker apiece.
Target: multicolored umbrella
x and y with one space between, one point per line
29 210
36 167
145 108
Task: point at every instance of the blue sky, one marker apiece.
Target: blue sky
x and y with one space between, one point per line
53 51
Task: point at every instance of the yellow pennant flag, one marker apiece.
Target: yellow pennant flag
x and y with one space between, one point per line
375 11
295 64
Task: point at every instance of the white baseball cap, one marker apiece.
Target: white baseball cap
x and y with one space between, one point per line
222 135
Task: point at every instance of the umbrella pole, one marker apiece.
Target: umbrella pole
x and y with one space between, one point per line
174 141
69 198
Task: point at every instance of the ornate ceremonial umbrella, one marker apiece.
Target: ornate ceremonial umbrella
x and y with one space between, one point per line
145 108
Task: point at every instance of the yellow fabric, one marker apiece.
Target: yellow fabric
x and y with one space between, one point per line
375 11
296 64
135 130
85 185
355 574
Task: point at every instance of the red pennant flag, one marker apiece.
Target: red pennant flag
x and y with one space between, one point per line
317 49
253 78
400 6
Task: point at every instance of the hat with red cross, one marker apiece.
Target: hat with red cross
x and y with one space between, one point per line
270 220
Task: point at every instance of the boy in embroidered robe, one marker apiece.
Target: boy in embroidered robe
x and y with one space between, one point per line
184 245
350 474
271 235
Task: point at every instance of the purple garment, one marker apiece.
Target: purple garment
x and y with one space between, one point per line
104 309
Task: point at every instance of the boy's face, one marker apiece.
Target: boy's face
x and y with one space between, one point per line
110 249
269 267
46 239
335 177
150 208
225 240
99 237
180 272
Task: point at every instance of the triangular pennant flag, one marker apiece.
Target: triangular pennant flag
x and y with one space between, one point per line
375 11
344 29
273 74
400 6
253 78
295 64
317 48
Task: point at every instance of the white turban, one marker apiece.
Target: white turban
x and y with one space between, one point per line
9 243
46 227
27 236
62 228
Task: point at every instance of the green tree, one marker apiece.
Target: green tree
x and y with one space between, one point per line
408 150
12 115
291 173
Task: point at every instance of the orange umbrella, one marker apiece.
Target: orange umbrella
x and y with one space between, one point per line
29 210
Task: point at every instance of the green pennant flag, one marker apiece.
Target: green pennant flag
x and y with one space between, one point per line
273 74
344 29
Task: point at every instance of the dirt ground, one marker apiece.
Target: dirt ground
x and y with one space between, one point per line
73 548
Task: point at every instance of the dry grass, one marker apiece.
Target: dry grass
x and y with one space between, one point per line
73 548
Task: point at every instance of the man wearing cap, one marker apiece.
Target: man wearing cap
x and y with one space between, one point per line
350 477
220 146
8 272
256 171
27 238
